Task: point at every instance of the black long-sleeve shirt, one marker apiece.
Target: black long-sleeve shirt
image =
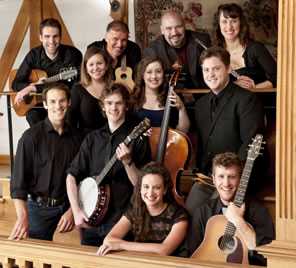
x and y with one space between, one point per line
68 56
90 161
42 159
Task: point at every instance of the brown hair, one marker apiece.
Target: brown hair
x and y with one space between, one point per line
115 88
117 26
232 11
215 51
50 22
58 86
227 160
138 94
85 77
141 219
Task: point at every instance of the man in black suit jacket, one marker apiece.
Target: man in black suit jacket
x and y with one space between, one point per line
227 118
176 43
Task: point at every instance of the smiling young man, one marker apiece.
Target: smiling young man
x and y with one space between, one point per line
50 57
117 45
38 182
252 220
95 152
227 118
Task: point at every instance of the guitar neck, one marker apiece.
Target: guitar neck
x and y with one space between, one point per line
242 188
54 78
240 193
99 178
164 128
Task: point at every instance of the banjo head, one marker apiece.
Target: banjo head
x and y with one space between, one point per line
88 195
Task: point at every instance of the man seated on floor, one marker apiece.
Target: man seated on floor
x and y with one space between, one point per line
38 182
252 220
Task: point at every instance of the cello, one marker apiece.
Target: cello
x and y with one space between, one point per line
170 147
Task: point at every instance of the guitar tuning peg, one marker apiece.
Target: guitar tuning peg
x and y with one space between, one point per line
264 142
260 153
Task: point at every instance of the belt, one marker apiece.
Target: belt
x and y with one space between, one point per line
46 201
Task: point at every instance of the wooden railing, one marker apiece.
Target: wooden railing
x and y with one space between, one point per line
203 91
39 253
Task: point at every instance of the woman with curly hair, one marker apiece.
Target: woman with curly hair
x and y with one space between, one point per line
249 58
150 93
96 73
157 222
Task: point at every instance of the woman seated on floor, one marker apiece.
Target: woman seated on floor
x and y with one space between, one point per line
158 224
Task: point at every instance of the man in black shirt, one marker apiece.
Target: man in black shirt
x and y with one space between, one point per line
252 220
51 57
116 45
95 152
227 118
38 182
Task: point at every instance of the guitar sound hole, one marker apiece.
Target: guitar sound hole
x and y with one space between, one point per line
28 99
123 76
226 244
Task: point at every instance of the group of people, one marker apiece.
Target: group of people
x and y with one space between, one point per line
85 123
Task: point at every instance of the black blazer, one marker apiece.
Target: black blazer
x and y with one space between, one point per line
162 49
238 118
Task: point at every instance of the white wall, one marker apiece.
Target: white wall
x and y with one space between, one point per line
86 22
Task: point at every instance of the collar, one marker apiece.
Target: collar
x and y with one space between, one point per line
221 93
60 55
49 128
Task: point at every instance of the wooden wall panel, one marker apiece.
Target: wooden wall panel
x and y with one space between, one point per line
286 130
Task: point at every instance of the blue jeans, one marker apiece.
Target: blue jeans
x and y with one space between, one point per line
95 235
43 220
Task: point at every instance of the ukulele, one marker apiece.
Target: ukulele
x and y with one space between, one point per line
123 74
93 197
23 107
222 243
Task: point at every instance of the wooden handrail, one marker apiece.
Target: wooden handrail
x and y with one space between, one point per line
43 253
203 91
6 93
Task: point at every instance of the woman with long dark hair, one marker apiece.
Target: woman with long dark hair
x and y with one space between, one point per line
158 224
150 93
249 58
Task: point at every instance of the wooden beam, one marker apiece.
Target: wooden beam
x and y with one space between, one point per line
14 43
36 17
50 11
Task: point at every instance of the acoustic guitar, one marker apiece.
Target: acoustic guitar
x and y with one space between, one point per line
222 242
123 74
94 198
23 107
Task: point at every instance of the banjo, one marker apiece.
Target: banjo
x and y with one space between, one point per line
94 198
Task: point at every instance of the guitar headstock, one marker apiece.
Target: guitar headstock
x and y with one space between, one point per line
68 73
139 129
255 147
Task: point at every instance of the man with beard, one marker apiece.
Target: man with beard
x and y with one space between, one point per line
176 43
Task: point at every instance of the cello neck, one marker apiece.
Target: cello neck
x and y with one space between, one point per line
164 128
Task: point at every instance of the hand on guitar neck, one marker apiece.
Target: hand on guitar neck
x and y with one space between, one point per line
235 215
